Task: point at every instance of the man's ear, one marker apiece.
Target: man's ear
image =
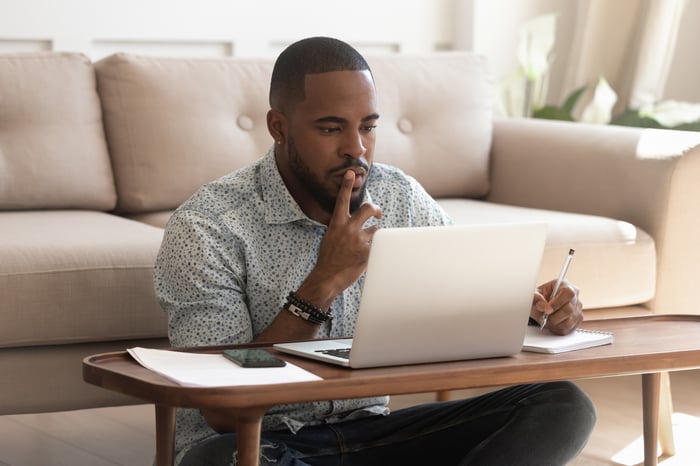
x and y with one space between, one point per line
277 126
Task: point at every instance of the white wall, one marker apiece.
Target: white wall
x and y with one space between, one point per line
220 27
264 27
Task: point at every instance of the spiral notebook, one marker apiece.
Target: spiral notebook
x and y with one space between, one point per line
544 341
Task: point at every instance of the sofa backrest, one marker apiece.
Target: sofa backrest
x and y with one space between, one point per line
436 120
173 124
53 153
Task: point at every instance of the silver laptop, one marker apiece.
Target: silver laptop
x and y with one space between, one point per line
440 294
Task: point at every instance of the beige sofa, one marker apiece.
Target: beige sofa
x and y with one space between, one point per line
95 156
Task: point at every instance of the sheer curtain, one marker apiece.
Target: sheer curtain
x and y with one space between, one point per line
629 42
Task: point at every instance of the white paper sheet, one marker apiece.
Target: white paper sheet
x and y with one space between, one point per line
214 370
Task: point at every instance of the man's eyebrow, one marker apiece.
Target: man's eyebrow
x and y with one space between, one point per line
335 119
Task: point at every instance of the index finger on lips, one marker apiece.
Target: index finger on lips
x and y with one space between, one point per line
342 200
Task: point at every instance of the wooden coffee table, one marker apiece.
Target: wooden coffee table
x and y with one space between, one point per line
643 345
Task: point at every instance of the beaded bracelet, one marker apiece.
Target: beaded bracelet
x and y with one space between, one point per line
305 310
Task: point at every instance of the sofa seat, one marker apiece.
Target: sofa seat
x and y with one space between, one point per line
92 268
157 219
601 243
619 248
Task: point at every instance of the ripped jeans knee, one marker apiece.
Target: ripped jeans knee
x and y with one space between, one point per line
277 454
222 450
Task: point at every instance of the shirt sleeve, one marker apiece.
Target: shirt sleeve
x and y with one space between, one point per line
198 280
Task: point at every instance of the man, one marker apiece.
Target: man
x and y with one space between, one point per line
295 228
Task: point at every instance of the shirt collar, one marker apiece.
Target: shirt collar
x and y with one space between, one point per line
280 206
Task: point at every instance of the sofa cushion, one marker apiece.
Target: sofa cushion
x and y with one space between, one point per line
77 276
52 147
436 120
174 124
618 248
157 219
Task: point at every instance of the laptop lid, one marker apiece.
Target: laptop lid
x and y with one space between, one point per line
443 293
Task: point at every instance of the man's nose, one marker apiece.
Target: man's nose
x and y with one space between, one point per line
354 145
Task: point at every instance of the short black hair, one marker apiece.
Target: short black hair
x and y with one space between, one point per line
310 56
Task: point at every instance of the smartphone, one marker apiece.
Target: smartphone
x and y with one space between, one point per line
253 357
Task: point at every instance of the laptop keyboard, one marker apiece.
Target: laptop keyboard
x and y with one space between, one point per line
338 353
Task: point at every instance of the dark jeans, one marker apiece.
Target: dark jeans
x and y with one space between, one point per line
540 425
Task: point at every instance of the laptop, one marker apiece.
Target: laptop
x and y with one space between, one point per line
434 294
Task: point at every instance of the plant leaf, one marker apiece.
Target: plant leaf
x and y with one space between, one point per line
550 112
632 118
694 126
573 98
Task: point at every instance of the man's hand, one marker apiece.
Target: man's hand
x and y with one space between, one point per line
565 310
342 259
344 249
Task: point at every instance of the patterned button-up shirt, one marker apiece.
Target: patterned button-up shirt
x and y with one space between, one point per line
234 250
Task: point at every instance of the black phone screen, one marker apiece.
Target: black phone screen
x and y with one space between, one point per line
253 357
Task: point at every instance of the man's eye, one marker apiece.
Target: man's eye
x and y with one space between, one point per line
369 128
330 130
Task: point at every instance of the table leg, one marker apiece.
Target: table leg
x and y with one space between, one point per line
248 426
444 395
165 435
668 446
651 385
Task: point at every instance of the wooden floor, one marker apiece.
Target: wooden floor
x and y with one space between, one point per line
125 436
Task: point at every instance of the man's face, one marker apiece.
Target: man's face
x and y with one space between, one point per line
329 132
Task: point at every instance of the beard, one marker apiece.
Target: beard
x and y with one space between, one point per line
315 186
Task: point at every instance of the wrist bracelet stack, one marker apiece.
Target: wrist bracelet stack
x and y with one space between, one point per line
305 310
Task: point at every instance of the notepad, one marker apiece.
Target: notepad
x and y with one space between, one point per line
544 341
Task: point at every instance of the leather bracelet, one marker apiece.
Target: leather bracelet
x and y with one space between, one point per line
305 310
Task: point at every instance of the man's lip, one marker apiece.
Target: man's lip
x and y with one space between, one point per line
359 180
360 175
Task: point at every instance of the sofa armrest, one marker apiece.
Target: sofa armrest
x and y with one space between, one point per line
650 178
